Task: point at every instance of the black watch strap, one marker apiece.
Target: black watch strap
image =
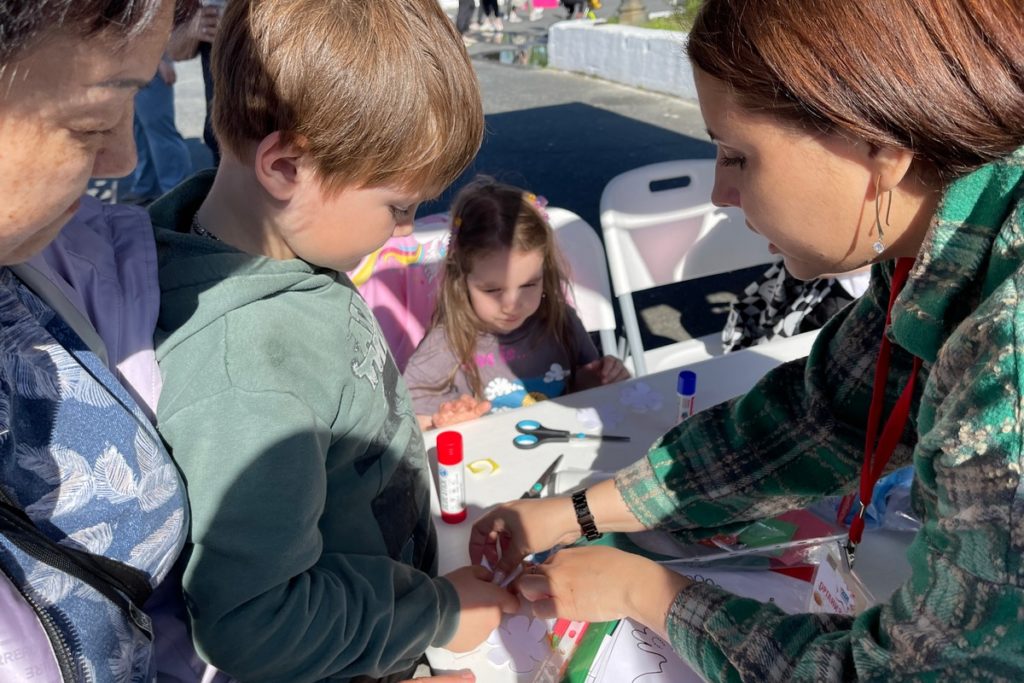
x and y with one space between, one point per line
583 516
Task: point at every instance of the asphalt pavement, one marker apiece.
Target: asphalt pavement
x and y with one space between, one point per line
563 136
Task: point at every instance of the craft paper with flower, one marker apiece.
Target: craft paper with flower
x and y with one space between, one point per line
520 643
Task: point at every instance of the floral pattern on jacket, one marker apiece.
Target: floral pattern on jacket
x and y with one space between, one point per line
80 458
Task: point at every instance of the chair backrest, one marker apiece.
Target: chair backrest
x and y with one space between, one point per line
588 274
660 227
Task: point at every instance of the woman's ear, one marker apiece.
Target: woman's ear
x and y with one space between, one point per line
891 167
277 165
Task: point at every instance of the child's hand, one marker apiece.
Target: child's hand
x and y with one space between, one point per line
521 527
460 410
482 604
599 372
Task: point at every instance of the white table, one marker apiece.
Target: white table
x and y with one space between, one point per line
881 560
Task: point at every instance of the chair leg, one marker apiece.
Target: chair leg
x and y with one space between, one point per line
632 327
623 348
608 343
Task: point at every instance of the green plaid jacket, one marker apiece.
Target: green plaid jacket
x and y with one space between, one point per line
798 435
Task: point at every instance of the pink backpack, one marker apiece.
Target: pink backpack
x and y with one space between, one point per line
399 284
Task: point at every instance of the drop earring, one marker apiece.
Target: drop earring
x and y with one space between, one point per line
879 244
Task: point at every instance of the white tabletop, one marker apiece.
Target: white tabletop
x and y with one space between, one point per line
718 379
643 409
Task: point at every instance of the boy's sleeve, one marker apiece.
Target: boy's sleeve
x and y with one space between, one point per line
266 601
426 375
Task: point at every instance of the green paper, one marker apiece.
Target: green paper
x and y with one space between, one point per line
583 658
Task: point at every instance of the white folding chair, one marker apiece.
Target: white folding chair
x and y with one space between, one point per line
660 227
580 245
588 274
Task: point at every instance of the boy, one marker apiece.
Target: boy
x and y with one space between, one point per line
312 551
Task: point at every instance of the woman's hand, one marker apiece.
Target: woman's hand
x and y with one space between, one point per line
596 373
460 410
521 527
599 583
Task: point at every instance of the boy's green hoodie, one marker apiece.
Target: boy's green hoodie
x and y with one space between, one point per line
313 554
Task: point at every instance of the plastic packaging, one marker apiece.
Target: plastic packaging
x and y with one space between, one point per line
890 504
686 388
451 475
565 639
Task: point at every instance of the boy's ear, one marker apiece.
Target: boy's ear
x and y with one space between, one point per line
277 165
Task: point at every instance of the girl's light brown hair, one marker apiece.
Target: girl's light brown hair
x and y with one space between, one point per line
488 216
943 78
377 92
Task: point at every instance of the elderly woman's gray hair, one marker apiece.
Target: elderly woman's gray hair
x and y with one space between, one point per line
22 22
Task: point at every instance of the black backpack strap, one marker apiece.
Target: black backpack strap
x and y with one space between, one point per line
113 579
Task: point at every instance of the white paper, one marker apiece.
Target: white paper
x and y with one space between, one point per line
610 416
588 418
638 655
520 643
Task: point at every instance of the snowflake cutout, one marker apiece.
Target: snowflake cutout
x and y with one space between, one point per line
520 643
641 398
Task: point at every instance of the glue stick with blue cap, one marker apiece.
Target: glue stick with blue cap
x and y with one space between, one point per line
686 387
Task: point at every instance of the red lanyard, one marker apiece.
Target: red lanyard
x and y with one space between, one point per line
877 455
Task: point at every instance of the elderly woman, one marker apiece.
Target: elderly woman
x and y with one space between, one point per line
888 132
92 511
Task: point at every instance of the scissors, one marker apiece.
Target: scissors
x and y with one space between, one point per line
533 434
534 491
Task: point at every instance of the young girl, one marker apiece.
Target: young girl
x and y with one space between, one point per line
502 334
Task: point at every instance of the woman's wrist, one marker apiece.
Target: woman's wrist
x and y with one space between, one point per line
564 519
651 592
609 509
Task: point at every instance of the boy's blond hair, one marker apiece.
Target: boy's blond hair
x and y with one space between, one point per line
377 92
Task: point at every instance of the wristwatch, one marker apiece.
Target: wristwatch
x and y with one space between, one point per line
583 516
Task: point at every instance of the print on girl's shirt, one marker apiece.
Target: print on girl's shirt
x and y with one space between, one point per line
506 393
507 353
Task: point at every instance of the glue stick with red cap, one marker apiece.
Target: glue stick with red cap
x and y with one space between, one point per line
451 475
